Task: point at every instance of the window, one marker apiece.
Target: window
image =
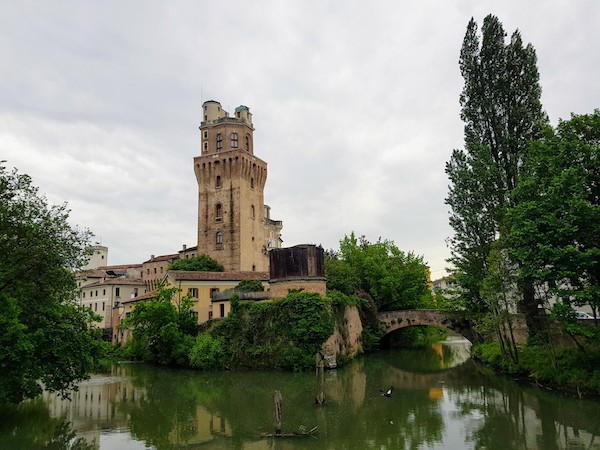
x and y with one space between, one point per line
155 270
206 146
247 143
210 315
102 306
218 212
222 309
103 291
219 238
234 140
206 135
117 292
193 292
251 183
96 294
148 271
218 182
96 307
135 292
84 295
219 141
252 211
161 269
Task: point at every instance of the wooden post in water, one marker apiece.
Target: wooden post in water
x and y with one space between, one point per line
320 372
277 412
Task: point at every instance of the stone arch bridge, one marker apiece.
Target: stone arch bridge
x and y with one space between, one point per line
394 320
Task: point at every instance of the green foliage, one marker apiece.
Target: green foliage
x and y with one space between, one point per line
286 333
46 338
207 353
250 285
575 372
502 113
162 330
394 279
556 223
200 263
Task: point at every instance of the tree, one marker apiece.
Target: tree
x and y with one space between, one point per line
249 285
163 333
45 338
394 279
554 226
502 113
200 263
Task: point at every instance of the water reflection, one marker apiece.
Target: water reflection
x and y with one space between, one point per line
440 400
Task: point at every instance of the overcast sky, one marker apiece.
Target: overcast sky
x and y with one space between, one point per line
355 106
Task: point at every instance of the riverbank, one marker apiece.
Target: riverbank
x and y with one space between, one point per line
565 370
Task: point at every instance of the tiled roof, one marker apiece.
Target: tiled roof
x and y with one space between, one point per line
122 266
162 258
146 296
117 281
184 275
92 273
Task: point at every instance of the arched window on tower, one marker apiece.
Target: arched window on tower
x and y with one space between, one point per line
247 143
218 212
219 238
219 141
218 182
251 182
234 140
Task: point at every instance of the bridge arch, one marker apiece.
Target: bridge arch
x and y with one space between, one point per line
390 321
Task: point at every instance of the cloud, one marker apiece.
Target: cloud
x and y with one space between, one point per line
355 107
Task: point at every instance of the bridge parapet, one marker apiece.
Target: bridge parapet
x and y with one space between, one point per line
394 320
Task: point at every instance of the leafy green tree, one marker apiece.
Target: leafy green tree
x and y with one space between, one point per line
45 338
163 332
394 279
200 263
502 113
556 224
250 285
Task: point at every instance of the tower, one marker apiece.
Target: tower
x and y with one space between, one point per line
234 227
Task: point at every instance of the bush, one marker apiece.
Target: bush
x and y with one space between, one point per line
207 352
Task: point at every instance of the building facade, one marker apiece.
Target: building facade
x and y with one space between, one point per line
234 224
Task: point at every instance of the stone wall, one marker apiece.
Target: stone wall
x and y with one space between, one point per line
346 340
280 289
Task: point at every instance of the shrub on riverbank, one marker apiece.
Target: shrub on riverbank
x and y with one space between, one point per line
562 369
286 333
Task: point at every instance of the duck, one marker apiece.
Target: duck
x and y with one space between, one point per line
387 393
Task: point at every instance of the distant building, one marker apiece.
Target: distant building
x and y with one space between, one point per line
234 224
97 256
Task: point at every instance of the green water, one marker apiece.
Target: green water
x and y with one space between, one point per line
440 401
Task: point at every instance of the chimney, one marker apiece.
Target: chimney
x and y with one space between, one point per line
151 257
184 247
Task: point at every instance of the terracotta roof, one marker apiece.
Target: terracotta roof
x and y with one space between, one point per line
146 296
92 273
122 266
117 281
163 258
184 275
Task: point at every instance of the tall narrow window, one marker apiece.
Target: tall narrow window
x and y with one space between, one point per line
218 182
234 140
117 292
251 183
218 212
219 238
252 211
219 141
247 143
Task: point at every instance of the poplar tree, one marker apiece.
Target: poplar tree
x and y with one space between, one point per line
502 113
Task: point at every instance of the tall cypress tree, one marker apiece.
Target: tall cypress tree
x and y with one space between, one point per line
502 113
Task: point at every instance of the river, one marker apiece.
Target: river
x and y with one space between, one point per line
440 400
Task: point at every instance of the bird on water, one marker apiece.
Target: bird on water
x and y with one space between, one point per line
387 393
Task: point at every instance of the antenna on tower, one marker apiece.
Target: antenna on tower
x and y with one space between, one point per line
201 95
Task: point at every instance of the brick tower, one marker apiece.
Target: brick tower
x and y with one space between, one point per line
234 224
